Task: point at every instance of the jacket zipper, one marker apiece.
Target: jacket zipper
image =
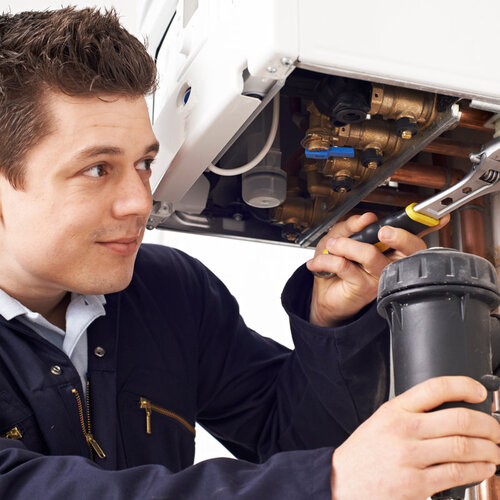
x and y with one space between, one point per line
14 433
149 407
87 432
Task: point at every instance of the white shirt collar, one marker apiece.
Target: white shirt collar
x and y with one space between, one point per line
10 308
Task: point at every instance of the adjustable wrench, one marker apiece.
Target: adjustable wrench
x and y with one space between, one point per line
483 179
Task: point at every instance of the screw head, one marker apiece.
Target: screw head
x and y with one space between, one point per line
56 370
372 165
406 134
271 69
286 61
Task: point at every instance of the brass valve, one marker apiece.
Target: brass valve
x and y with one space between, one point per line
410 109
342 181
374 138
344 171
319 135
396 115
299 214
333 165
296 211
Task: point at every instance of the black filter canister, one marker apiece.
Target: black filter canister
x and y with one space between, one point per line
438 304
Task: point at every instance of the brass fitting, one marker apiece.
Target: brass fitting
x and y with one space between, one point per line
342 181
396 102
293 186
301 214
333 165
310 164
319 134
317 184
340 168
296 211
375 135
407 107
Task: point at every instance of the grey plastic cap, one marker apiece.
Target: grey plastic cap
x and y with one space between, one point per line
437 266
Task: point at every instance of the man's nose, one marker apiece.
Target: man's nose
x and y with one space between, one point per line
133 196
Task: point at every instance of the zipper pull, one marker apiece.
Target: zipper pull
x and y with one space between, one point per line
14 433
146 405
95 445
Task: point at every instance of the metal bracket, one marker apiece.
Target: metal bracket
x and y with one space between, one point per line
161 211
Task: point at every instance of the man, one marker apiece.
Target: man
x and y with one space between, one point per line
109 353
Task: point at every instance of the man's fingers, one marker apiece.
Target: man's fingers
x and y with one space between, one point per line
436 391
350 260
457 449
445 476
341 267
442 222
401 240
352 225
456 422
343 252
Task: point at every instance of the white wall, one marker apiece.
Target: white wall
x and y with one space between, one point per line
254 272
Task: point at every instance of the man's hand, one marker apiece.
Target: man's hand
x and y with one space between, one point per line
357 267
405 453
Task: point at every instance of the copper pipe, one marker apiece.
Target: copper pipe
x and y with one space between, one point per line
432 176
446 236
474 119
472 223
446 233
387 196
449 147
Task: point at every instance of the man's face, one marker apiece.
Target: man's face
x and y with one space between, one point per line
78 222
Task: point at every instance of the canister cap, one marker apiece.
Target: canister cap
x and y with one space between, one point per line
437 266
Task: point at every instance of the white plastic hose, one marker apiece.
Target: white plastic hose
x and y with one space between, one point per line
263 152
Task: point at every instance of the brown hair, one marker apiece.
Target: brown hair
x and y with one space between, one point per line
77 52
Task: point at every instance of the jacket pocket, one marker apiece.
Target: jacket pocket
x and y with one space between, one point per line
150 408
157 418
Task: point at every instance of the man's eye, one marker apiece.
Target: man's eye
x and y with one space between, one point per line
145 164
95 171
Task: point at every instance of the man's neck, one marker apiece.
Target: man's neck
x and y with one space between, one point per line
57 315
53 309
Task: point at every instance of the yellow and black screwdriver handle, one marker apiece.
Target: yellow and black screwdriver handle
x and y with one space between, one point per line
408 219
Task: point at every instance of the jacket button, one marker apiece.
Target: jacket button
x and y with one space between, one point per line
100 352
55 370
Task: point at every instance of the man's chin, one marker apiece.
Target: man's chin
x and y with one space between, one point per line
104 285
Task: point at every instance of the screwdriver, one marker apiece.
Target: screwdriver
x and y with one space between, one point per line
483 179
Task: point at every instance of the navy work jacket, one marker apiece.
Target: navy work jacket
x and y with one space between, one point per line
173 351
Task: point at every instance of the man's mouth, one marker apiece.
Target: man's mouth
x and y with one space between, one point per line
122 246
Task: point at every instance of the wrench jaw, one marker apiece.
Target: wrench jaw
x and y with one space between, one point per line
492 177
487 164
483 179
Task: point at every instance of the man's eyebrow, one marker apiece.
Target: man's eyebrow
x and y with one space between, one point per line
152 148
92 151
